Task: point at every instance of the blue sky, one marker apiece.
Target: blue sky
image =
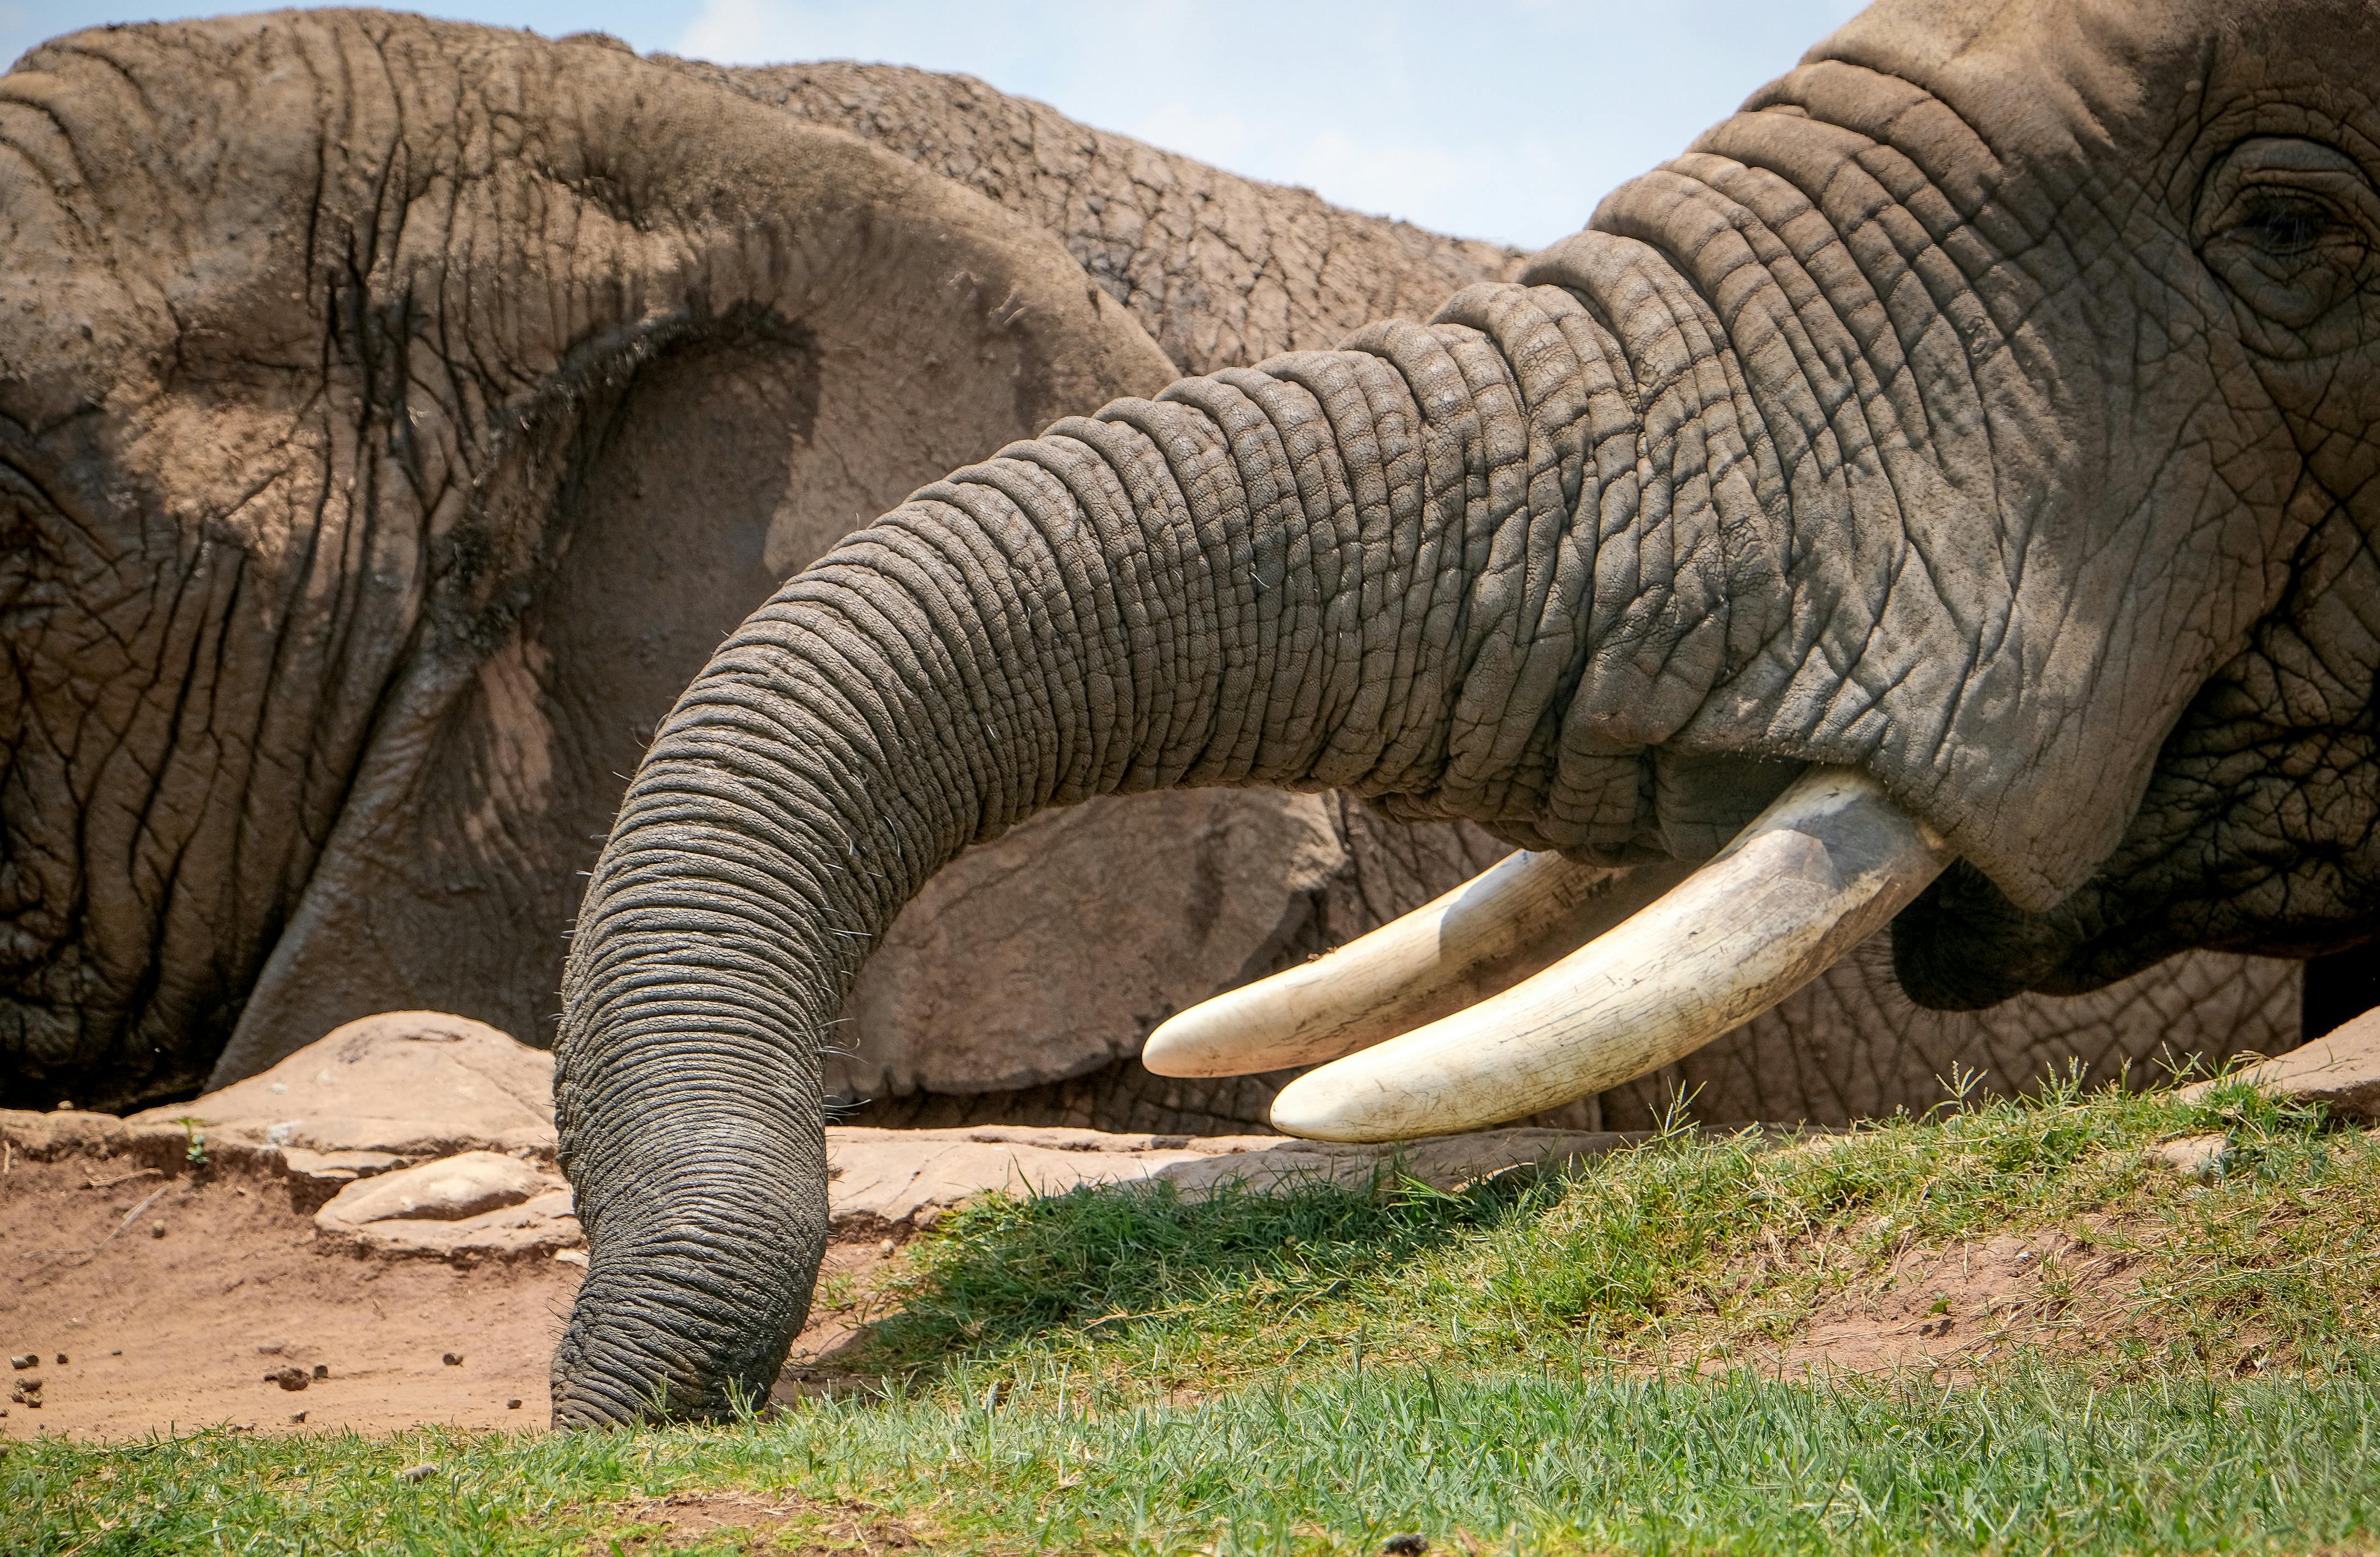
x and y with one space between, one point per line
1499 119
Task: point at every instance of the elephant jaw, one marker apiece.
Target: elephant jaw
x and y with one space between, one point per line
1828 863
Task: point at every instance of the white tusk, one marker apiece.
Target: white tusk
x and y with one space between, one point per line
1828 864
1489 933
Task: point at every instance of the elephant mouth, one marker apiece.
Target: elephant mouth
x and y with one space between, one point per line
1668 965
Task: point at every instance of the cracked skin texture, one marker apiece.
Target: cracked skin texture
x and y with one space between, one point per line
348 570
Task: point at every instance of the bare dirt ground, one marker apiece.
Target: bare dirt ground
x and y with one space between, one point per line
175 1320
1958 1307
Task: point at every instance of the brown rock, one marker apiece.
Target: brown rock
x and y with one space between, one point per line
2341 1070
543 1223
477 1203
451 1189
409 1083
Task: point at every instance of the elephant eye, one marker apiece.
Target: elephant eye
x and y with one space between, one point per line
2286 224
2292 227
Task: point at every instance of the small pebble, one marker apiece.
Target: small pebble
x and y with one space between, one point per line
271 1348
27 1360
156 1229
299 1418
512 1405
322 1370
420 1473
885 1248
1409 1544
290 1378
62 1359
453 1360
118 1353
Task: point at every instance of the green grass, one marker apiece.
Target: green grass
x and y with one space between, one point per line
1693 1250
1587 1363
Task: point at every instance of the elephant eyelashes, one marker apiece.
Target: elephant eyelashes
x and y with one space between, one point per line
2290 225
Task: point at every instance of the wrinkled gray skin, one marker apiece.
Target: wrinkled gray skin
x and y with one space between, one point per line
410 469
1986 404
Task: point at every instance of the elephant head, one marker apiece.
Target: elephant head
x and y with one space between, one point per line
1983 414
385 407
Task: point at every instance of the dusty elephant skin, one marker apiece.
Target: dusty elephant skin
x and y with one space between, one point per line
1983 408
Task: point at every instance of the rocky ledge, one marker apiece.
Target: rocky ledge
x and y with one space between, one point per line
415 1133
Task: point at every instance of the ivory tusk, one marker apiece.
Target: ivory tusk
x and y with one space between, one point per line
1828 863
1489 933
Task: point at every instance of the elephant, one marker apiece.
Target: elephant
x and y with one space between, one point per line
1947 482
365 511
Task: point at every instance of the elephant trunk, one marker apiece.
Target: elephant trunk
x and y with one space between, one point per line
1367 568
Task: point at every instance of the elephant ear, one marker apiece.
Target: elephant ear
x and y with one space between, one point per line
769 335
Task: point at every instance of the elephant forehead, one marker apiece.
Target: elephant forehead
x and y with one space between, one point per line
2047 77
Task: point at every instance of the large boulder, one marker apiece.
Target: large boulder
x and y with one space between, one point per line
1056 948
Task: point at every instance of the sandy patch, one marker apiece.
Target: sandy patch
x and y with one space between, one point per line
173 1333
